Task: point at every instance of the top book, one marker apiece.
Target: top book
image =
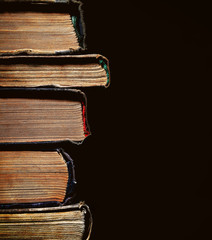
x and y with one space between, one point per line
31 28
40 1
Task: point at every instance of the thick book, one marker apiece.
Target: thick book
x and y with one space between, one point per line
36 177
71 222
42 115
81 70
27 28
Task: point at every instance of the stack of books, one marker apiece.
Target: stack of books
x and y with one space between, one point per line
43 65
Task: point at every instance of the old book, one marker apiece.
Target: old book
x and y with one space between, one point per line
41 28
42 115
83 70
71 222
44 177
38 1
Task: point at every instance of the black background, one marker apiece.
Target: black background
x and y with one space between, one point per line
145 171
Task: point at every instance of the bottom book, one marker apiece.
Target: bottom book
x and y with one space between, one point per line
71 222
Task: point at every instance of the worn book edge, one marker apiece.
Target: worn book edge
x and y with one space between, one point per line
50 93
70 187
100 59
73 7
73 207
37 1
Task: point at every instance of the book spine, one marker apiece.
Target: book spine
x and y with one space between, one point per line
103 61
88 219
77 19
79 26
70 190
